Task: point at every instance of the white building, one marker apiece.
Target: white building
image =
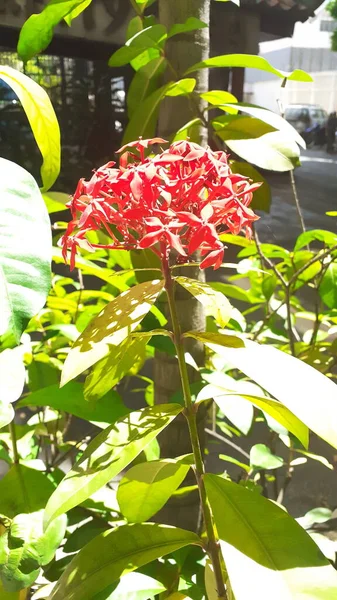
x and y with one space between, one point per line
309 49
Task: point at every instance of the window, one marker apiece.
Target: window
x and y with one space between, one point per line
328 25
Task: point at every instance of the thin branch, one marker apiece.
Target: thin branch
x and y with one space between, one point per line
228 442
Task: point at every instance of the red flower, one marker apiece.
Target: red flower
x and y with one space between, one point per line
179 199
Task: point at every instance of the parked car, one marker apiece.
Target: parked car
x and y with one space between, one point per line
309 120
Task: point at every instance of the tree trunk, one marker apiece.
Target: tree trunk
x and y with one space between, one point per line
183 51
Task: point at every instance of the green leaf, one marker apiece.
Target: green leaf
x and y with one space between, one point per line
191 24
144 119
309 394
145 82
6 414
234 461
151 41
124 55
77 11
25 548
111 327
13 374
12 595
42 119
115 553
24 266
234 291
182 87
211 339
146 487
70 398
37 32
134 586
189 131
55 201
271 151
241 128
236 240
248 61
214 303
145 259
261 457
111 369
260 539
23 490
221 389
218 98
327 237
273 120
108 454
328 286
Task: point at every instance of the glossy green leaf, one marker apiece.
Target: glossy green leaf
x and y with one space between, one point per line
115 553
42 119
6 414
143 261
328 287
191 24
183 87
146 487
142 4
234 461
124 56
261 457
214 303
111 327
309 394
272 151
241 128
77 11
24 267
145 82
37 32
189 131
151 40
111 369
327 237
108 454
133 586
223 387
271 119
213 340
25 548
219 97
23 490
70 398
234 291
55 201
249 61
259 539
22 595
13 374
237 410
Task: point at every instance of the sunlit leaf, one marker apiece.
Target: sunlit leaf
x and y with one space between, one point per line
214 303
261 457
111 327
145 82
272 151
146 487
212 340
259 539
55 201
42 119
6 413
115 553
309 394
182 87
23 490
248 61
191 24
37 32
326 237
328 286
111 369
108 453
25 548
25 249
262 196
70 398
13 374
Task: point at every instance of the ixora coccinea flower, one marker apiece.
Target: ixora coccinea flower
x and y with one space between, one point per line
179 199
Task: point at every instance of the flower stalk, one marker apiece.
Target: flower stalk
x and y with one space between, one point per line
213 546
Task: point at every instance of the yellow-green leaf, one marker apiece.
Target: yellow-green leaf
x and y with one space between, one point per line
111 327
214 303
42 119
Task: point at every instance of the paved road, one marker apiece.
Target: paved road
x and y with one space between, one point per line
316 182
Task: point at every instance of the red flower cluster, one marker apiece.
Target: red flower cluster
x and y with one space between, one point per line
181 199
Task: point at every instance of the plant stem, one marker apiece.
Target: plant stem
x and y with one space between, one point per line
213 546
12 433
